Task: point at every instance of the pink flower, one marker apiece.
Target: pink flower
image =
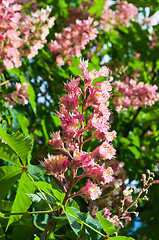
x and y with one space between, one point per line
20 96
99 173
59 61
18 31
143 148
73 40
83 66
104 151
56 141
115 220
82 159
90 191
8 64
55 164
122 15
70 100
133 94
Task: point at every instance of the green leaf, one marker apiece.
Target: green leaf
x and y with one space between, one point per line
74 222
78 219
74 68
36 238
152 115
72 203
35 170
97 8
2 235
24 230
40 202
124 141
135 151
44 124
60 221
108 227
6 205
91 234
8 176
8 155
22 201
1 214
24 123
135 139
32 97
47 188
22 145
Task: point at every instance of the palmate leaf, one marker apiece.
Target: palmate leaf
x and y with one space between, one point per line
8 176
22 145
8 155
91 234
22 201
77 219
48 189
108 227
74 221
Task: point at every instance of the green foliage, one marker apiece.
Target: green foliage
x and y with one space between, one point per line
32 202
8 176
22 145
2 235
21 202
108 227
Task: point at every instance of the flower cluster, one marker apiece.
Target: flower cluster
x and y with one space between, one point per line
19 96
76 130
112 196
118 201
121 16
84 116
129 93
72 40
21 34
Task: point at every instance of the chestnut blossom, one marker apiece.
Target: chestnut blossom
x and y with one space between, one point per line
55 164
100 174
82 159
104 151
90 190
78 128
122 15
56 141
130 93
19 36
72 40
19 96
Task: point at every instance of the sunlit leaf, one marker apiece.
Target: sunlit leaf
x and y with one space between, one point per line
8 176
22 201
22 145
108 227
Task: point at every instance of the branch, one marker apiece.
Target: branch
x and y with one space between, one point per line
132 122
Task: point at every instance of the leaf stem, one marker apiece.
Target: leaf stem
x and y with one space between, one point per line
89 226
23 213
41 192
132 121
